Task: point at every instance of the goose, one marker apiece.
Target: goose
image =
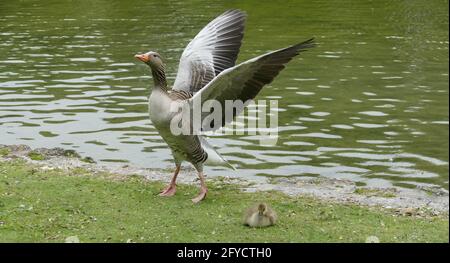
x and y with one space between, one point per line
207 71
260 215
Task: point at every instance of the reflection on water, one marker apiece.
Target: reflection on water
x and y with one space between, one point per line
369 104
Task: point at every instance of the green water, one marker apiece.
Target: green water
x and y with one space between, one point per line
370 103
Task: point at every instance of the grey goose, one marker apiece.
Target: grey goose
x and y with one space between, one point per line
207 71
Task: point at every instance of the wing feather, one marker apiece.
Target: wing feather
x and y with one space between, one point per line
244 81
214 49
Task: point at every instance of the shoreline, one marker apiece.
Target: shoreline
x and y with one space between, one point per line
401 201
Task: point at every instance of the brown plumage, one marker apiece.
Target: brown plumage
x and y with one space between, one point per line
260 215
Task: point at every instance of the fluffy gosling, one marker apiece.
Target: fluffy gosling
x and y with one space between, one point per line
260 215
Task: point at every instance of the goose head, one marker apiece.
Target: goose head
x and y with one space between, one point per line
155 62
262 209
152 59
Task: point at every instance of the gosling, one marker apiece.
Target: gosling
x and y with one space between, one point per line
260 215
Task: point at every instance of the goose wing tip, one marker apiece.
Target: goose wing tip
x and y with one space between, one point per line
236 12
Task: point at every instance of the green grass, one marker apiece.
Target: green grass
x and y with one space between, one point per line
48 206
4 151
36 156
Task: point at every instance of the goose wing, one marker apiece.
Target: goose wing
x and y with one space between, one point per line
214 49
244 81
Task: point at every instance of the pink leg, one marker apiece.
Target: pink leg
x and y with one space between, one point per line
203 189
172 187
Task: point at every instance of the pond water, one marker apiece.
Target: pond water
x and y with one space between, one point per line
370 103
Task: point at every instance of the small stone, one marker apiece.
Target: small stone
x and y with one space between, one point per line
409 211
20 148
372 239
72 239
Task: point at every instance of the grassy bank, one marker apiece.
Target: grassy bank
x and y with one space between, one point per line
48 206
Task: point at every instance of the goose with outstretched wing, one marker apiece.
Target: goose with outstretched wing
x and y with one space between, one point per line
207 71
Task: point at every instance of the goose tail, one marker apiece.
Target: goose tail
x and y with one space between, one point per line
214 157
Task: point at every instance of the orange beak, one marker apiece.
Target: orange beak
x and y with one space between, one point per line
142 57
